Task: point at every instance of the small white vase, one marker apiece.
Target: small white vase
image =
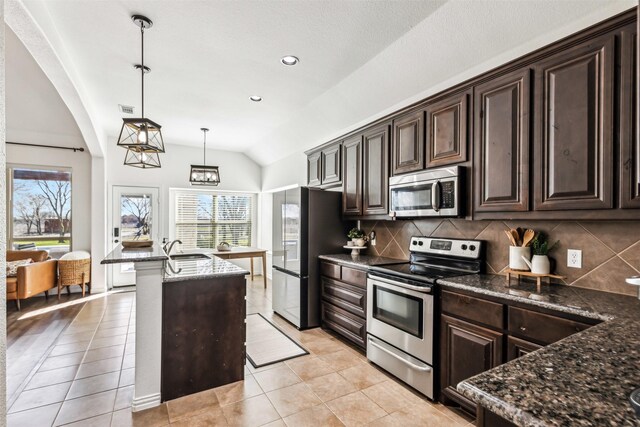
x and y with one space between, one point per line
517 257
540 264
360 242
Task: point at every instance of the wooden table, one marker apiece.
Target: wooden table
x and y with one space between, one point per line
243 252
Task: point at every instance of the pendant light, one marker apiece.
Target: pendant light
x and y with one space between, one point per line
142 159
203 174
141 135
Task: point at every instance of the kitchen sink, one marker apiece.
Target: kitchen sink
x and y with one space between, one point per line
185 257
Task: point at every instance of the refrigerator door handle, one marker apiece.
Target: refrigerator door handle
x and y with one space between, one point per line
288 272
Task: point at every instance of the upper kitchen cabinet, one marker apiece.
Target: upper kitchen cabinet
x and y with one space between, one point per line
376 171
629 138
352 176
314 169
331 165
501 137
407 143
573 157
324 168
447 123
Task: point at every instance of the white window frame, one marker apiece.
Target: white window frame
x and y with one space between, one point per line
254 207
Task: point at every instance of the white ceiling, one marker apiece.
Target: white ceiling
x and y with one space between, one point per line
358 60
208 57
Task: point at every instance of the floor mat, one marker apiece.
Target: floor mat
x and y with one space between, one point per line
267 344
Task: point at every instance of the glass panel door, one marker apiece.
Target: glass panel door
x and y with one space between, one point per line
135 217
292 232
399 310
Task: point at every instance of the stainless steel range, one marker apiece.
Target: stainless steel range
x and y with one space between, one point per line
400 306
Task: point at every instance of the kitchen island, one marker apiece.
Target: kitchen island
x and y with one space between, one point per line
584 379
183 297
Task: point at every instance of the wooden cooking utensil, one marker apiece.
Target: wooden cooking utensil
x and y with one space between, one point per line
520 231
516 238
510 237
528 237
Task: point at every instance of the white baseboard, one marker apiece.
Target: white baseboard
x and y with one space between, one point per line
145 402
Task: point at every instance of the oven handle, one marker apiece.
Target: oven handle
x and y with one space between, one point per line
412 365
419 289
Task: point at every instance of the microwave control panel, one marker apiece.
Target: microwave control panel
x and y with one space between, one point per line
448 195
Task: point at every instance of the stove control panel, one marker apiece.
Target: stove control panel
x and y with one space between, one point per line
452 247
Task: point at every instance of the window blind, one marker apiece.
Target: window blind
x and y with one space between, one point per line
205 219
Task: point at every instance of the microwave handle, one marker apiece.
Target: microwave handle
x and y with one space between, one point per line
435 196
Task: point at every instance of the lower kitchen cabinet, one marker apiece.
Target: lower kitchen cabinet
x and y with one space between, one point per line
466 350
518 348
344 299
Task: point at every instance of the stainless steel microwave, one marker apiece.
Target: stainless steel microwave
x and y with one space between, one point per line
435 192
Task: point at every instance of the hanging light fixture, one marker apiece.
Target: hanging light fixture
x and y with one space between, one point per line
203 174
142 159
141 135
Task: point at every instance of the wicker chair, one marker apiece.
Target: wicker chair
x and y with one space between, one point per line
74 268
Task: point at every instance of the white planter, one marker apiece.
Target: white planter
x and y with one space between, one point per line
540 264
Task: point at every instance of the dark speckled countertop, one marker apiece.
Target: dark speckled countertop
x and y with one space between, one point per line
206 268
361 261
582 380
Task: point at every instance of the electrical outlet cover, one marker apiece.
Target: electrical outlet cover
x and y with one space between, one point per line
574 258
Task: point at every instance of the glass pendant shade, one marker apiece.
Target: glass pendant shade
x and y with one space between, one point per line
204 175
142 159
141 135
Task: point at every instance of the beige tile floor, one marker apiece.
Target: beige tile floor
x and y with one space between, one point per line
87 380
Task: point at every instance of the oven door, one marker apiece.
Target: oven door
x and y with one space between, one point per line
401 316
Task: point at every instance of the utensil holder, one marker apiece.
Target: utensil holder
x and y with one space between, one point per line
516 253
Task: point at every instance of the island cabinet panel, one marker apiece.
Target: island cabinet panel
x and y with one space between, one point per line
407 143
502 129
331 165
466 350
352 176
629 136
447 130
518 348
573 160
203 334
376 171
314 169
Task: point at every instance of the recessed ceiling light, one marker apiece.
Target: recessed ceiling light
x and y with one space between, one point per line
289 60
255 98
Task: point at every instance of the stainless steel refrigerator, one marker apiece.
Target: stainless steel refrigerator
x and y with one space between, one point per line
306 223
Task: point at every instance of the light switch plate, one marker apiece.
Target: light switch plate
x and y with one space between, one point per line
574 258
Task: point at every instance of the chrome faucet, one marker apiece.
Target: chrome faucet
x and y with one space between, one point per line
170 246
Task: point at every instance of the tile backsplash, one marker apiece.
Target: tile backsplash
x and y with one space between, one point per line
610 250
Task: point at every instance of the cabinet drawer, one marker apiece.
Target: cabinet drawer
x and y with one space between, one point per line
354 276
542 328
347 297
478 310
330 270
347 325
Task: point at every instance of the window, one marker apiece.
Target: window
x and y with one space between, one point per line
40 209
204 219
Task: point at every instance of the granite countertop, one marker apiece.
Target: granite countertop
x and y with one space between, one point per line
361 261
205 268
120 255
584 379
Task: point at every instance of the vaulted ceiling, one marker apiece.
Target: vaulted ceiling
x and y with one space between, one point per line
357 58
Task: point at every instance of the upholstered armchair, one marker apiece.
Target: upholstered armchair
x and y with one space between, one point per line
31 279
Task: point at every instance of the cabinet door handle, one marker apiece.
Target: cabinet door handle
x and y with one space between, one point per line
522 328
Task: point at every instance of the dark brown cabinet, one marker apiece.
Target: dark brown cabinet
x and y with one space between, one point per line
352 176
518 348
501 138
331 165
344 301
324 166
376 171
407 143
314 169
573 157
466 350
447 130
629 137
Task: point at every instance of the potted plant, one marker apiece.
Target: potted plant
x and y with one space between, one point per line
540 246
357 236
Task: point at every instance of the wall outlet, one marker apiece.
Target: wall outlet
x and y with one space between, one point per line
574 258
372 237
